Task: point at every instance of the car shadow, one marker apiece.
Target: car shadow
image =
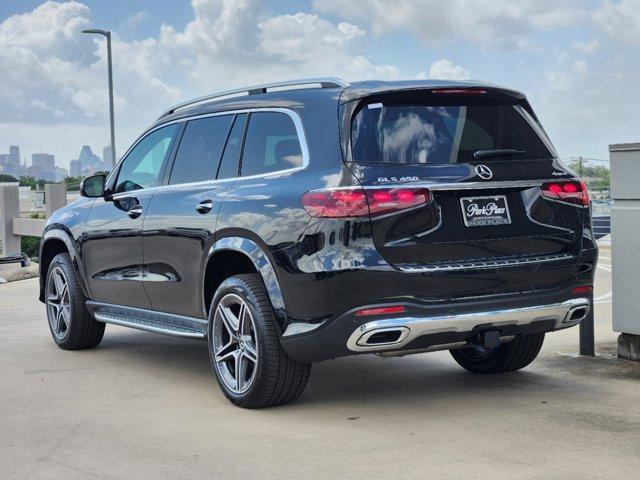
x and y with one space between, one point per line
350 380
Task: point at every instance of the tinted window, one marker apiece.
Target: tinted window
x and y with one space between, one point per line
271 144
443 133
200 149
231 156
141 168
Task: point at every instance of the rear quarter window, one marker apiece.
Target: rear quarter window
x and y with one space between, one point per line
271 144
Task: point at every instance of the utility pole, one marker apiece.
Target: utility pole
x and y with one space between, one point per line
107 34
580 166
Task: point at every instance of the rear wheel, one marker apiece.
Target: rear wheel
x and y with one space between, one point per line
507 357
250 365
72 326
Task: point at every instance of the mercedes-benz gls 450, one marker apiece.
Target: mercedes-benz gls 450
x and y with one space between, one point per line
291 223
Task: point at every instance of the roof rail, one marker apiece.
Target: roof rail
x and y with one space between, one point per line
328 82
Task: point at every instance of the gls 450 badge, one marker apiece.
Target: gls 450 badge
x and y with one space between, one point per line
397 179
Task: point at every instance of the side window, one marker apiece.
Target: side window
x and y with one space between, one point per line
271 144
229 163
200 149
141 168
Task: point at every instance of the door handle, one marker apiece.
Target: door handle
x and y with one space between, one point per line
135 211
205 206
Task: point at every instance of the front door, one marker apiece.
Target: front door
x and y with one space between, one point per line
112 245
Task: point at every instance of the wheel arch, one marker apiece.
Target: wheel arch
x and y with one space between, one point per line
241 255
53 242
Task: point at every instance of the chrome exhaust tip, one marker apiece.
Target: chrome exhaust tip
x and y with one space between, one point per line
576 314
383 337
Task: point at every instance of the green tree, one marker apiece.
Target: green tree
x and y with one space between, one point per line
27 181
597 177
7 178
73 183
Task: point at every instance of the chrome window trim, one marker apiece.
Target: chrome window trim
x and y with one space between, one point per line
297 122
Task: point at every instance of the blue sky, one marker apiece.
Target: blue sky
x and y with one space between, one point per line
575 59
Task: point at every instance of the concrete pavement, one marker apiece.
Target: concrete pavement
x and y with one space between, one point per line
146 406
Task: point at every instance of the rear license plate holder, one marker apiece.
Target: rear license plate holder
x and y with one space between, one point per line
485 211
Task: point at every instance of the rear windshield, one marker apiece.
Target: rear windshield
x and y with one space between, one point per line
436 134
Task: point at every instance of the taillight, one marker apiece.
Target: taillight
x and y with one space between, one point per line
572 192
358 202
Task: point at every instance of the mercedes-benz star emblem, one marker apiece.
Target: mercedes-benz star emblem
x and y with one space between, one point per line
484 172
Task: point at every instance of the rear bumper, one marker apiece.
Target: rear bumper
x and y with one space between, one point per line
432 327
396 333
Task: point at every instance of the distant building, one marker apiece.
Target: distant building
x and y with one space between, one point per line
89 161
75 169
106 154
10 162
43 161
43 166
14 152
61 174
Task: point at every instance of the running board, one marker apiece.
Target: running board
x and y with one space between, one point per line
149 320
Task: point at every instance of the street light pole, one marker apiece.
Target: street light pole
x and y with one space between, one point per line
107 34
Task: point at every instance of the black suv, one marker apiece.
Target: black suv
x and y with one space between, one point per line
296 222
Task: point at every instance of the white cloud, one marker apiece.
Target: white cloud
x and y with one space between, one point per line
486 22
53 93
586 48
620 19
316 46
54 75
45 56
580 66
446 70
586 107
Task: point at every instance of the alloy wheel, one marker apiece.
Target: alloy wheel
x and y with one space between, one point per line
235 344
58 303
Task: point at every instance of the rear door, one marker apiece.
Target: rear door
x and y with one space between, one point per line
180 224
483 158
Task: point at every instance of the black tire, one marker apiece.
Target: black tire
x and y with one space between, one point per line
507 357
80 329
276 379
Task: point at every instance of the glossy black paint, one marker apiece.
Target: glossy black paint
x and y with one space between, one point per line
316 270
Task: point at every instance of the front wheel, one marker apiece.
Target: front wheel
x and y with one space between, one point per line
507 357
72 326
250 365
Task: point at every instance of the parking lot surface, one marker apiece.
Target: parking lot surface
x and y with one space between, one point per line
147 406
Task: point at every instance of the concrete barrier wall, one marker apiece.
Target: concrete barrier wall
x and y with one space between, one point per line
12 227
625 234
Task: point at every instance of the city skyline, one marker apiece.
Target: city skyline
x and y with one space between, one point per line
45 166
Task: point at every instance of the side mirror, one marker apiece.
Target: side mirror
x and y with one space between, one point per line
93 187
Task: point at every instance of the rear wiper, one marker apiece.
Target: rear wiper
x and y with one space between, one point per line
498 152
